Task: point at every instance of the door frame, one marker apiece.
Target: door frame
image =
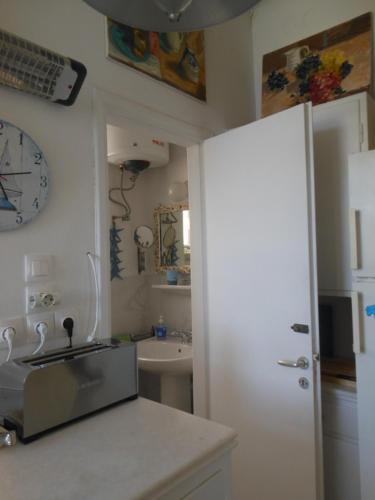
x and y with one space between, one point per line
121 112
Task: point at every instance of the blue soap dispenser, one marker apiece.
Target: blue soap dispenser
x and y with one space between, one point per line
160 329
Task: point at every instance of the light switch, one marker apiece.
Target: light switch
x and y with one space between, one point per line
38 267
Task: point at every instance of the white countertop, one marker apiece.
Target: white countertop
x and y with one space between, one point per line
129 452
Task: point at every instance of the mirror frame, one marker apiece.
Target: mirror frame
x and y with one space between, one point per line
164 209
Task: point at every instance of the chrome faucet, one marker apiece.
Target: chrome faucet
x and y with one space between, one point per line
184 335
7 438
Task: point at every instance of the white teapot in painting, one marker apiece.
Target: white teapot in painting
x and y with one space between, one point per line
294 56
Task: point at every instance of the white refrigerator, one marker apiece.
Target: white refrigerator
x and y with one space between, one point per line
362 230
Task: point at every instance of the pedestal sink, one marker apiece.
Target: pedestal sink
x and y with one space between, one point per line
172 360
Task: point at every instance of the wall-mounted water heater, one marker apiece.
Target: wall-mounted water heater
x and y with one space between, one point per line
125 145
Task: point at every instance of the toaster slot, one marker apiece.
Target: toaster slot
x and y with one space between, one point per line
65 354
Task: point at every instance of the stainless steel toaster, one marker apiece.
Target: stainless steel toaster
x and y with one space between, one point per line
38 393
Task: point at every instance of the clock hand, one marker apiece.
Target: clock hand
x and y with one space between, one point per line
14 173
4 192
3 175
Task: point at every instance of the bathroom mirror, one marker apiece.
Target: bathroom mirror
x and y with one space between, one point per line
172 238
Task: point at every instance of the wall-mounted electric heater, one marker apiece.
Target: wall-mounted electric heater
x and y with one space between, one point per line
31 68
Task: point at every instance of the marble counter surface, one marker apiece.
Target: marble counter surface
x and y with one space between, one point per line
129 452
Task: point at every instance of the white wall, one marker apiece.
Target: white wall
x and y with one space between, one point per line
278 23
66 226
230 72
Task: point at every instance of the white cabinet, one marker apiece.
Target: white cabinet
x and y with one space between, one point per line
340 128
210 482
340 436
362 178
211 489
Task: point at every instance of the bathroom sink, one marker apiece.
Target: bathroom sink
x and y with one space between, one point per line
165 357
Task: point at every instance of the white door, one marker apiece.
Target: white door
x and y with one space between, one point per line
260 278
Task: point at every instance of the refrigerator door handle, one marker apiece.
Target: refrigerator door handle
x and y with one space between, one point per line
353 225
357 337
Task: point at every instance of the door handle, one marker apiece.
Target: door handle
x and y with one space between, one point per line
356 314
353 226
300 363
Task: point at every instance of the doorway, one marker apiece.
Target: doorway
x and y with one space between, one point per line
114 111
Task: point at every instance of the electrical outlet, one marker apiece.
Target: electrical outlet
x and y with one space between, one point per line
41 297
19 325
59 319
33 319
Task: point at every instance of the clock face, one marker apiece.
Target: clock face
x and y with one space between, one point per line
23 177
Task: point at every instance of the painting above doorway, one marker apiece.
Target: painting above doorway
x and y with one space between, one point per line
332 64
174 58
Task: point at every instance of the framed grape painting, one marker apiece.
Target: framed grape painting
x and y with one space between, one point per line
332 64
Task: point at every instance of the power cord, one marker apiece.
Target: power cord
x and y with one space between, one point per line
124 204
68 325
91 337
41 329
7 336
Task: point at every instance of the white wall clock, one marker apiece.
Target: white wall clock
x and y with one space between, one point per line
23 177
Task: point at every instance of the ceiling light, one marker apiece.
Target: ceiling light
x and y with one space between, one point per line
171 15
173 8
